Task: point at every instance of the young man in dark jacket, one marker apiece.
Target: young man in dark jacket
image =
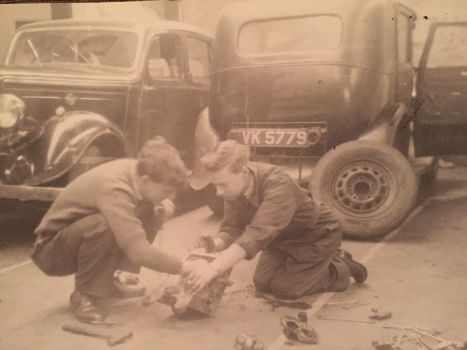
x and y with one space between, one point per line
106 220
265 210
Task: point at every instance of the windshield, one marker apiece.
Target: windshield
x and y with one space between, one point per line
290 35
77 47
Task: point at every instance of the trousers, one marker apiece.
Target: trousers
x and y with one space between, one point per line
86 248
293 268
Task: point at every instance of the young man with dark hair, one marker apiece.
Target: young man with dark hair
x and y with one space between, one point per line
266 210
106 220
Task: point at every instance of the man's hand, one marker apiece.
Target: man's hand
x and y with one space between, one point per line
198 273
210 243
166 208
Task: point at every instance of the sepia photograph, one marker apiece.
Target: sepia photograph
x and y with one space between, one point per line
233 174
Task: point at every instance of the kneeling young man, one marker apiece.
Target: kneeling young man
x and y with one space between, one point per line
105 220
266 210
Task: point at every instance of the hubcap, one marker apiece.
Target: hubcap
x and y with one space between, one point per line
362 188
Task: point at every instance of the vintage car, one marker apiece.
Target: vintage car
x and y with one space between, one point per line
325 89
75 93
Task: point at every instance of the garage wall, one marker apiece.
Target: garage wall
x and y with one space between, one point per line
203 13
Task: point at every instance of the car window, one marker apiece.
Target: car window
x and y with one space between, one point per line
290 35
449 47
165 58
199 55
76 47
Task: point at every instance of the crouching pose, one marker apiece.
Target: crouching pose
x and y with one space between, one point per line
105 220
266 210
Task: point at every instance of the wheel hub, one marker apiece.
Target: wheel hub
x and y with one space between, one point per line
362 188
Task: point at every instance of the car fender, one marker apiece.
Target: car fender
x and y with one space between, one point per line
66 137
392 118
206 140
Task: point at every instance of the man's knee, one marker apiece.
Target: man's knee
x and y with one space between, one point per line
47 259
284 290
261 282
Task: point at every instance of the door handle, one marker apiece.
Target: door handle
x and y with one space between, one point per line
464 73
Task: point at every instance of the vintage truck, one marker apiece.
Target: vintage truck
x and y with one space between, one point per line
327 90
74 93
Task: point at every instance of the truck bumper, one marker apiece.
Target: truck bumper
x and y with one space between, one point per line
29 193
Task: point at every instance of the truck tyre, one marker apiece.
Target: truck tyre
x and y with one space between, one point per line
213 201
370 186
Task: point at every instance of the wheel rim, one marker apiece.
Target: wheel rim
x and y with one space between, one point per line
363 188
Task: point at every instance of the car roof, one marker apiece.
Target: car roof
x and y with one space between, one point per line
262 9
368 30
130 25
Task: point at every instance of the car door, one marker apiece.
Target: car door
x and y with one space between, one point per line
198 57
165 86
440 121
175 90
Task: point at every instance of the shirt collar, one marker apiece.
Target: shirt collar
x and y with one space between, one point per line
252 192
134 183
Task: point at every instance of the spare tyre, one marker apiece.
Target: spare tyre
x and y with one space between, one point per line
370 186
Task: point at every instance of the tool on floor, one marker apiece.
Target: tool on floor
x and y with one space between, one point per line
326 318
111 337
244 342
410 328
297 329
379 315
382 346
105 322
276 302
128 278
343 303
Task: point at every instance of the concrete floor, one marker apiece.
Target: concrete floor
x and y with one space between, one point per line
418 272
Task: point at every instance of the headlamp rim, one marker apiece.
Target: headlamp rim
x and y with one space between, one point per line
13 107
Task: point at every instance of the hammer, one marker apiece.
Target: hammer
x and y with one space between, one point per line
112 340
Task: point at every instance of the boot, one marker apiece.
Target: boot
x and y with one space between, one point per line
85 308
357 270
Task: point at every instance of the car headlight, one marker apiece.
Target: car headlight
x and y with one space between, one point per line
11 110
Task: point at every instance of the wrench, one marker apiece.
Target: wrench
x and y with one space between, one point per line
322 317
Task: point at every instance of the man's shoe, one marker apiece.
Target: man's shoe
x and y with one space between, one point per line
122 290
85 308
357 270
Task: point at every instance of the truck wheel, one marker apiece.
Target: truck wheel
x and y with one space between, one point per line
91 157
370 186
213 201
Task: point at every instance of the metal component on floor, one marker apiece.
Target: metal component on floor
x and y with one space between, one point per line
325 318
111 338
244 342
408 328
297 329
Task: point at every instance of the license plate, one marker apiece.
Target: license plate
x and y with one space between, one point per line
271 137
